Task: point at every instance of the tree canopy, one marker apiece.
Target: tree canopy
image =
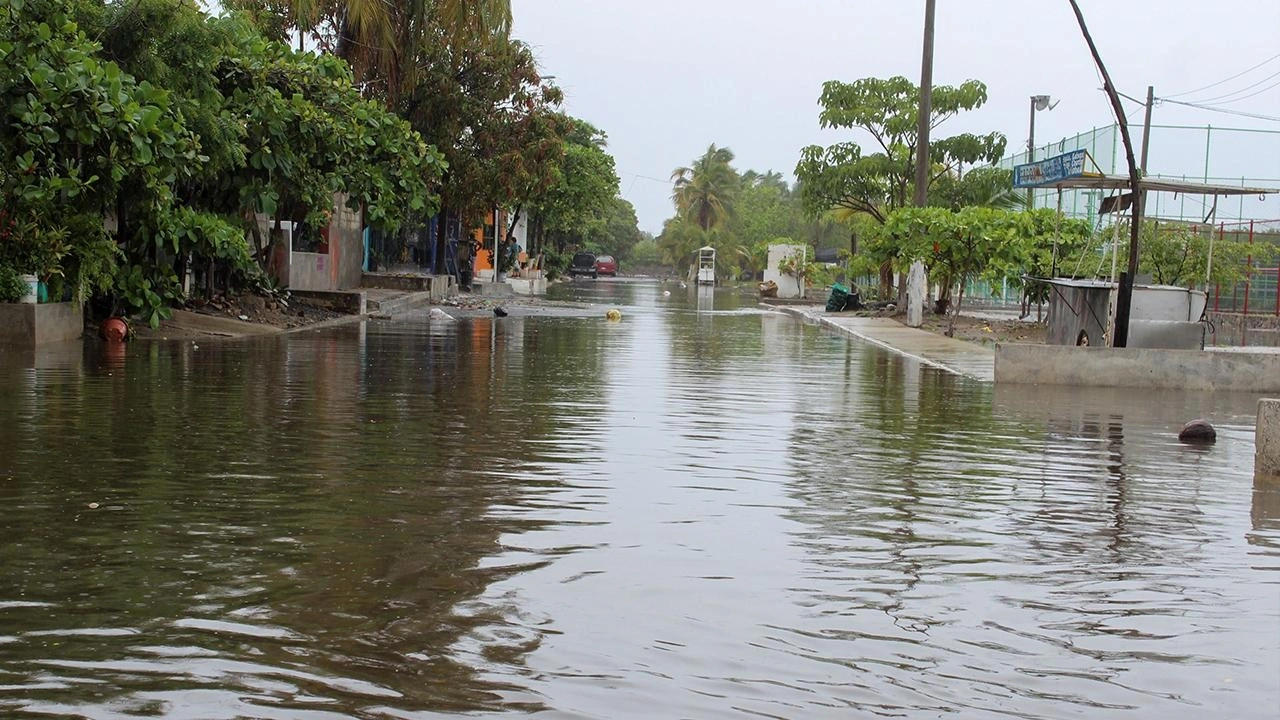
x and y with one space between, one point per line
179 127
878 182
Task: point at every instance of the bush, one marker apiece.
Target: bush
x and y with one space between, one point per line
554 262
12 287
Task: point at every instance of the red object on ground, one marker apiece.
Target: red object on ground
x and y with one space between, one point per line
114 329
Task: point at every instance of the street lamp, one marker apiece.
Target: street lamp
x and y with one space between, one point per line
1038 102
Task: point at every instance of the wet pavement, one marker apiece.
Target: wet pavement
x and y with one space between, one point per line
957 356
704 509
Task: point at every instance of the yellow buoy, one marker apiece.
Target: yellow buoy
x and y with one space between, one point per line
613 315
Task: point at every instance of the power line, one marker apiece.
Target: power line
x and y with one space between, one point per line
1223 98
1225 80
1268 88
1225 111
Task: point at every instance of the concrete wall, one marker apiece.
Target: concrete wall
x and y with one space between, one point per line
788 285
528 286
346 244
1266 459
26 326
342 267
1137 367
1236 330
313 271
351 302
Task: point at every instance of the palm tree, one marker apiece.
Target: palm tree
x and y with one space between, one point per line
704 192
382 41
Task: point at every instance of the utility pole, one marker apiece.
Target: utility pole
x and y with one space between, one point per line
1146 128
1124 299
1038 102
926 109
1031 152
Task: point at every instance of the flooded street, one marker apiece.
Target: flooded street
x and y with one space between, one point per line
701 511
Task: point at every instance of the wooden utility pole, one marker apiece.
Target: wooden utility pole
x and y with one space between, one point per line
1124 300
926 109
1146 129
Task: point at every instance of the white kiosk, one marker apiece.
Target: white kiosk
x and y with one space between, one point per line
707 266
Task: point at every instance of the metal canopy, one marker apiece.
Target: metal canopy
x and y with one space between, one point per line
1151 184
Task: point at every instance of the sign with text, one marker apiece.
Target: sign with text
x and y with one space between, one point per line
1051 170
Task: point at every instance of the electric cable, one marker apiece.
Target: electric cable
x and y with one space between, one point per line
1225 80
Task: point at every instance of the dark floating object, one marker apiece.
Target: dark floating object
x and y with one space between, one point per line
499 312
1198 431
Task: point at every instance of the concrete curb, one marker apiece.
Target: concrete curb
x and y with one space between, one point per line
920 345
1266 458
400 304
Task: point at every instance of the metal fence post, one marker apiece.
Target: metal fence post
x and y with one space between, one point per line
1248 269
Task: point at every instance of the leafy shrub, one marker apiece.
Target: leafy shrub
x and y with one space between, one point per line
12 287
555 262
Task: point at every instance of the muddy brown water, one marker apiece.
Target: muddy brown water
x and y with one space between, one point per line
701 511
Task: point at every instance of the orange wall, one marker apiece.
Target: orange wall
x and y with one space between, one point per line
484 256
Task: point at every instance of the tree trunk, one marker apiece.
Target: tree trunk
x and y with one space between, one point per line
442 230
886 280
955 311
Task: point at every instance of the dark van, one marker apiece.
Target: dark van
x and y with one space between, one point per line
584 263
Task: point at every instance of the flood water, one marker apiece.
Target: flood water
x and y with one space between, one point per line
700 511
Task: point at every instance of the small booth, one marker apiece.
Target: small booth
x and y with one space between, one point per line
707 265
1084 311
1162 316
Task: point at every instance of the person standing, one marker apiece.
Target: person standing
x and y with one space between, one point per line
510 253
466 262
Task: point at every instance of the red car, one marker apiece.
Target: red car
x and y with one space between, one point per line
607 265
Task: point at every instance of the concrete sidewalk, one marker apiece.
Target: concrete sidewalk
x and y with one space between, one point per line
956 356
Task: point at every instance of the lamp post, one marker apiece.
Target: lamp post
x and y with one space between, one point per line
1038 102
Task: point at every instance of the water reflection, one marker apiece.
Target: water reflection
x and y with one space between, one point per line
694 512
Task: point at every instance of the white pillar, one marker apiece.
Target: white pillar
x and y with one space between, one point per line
917 286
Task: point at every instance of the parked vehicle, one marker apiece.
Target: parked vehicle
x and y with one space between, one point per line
607 265
584 263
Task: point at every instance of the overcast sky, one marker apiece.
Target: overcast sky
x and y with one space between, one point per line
665 78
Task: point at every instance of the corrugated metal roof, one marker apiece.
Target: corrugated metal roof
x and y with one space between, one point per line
1153 184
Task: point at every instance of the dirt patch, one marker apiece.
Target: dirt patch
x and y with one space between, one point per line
281 312
237 316
987 331
975 329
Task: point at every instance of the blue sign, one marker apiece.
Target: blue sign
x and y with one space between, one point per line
1044 172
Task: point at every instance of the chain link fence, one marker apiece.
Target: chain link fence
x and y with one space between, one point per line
1256 291
1194 153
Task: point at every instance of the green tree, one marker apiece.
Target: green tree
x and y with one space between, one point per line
877 183
495 120
622 229
988 186
704 192
1047 240
954 246
383 41
764 210
181 128
281 131
645 252
576 208
79 130
1174 253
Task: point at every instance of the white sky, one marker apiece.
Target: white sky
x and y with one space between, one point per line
665 78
